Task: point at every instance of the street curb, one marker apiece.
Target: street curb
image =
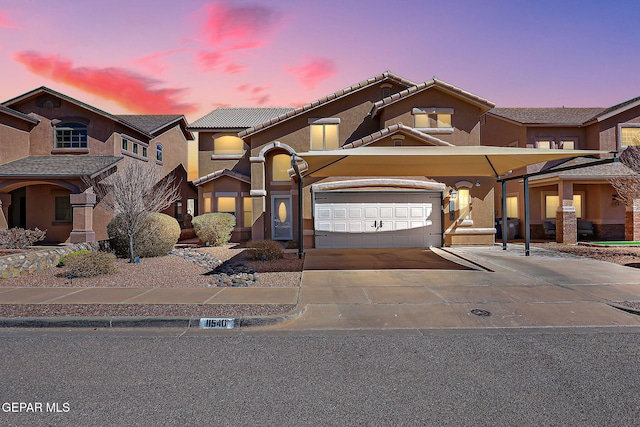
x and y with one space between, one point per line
625 308
134 321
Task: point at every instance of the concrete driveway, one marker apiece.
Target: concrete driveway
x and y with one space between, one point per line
443 288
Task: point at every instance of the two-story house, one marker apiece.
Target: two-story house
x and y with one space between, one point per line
50 144
249 172
569 196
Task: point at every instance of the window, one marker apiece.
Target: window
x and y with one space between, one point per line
512 207
247 212
567 144
135 148
464 203
71 135
281 163
324 136
629 136
207 203
177 211
159 152
62 209
432 118
125 144
228 145
552 202
144 152
544 143
227 205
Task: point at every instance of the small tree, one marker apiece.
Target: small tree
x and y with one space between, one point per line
628 186
134 192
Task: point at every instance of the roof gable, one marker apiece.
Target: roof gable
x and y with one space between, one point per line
18 115
44 89
433 83
617 109
156 124
386 76
220 173
396 129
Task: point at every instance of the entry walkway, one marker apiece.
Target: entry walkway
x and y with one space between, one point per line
545 289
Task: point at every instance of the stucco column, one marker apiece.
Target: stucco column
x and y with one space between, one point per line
5 202
566 220
632 222
83 205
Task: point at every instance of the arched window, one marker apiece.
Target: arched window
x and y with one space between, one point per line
159 152
71 135
280 164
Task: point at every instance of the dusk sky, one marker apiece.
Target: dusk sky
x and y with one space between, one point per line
191 56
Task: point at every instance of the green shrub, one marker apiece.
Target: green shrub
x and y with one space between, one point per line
62 259
19 238
89 264
156 237
214 228
264 250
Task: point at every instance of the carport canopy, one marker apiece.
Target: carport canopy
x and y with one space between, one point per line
429 161
439 161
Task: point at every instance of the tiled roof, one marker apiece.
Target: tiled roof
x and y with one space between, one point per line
387 75
150 122
393 129
558 116
73 101
428 85
18 114
57 166
604 171
237 118
222 172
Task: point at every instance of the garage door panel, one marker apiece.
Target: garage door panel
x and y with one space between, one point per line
374 219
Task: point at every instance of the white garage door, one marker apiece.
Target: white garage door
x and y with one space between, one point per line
377 219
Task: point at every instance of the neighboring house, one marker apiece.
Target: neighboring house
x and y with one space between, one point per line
568 198
50 143
244 168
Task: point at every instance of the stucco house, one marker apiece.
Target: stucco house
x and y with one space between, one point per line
50 143
245 168
569 197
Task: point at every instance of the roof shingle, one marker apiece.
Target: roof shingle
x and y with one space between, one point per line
236 117
551 116
57 166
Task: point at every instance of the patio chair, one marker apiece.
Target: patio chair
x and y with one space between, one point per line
585 228
549 229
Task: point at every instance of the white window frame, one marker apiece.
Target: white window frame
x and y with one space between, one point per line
65 130
433 111
323 123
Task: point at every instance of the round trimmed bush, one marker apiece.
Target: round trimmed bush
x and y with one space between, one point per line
214 228
157 236
89 264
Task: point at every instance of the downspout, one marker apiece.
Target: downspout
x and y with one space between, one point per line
527 225
504 216
294 165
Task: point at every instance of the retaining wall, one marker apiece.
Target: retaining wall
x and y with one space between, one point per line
15 265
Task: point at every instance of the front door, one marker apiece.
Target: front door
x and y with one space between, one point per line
281 218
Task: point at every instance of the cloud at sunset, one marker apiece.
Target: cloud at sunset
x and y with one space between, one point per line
257 94
313 71
229 30
135 92
155 62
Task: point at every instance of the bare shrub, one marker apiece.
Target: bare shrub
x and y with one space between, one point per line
628 186
19 238
214 228
89 264
264 250
157 236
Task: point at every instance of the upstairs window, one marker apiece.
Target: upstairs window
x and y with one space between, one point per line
228 145
433 118
159 152
629 136
71 135
324 134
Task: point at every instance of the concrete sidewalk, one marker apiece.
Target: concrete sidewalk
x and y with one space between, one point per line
547 289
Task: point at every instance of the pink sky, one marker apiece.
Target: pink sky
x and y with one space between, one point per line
191 56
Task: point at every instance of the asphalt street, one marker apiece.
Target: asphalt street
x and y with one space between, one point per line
168 377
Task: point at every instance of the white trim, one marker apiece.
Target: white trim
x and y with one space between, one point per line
226 194
276 144
326 121
379 182
432 110
618 111
228 156
258 193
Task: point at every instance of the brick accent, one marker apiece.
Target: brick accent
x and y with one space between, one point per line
632 222
566 225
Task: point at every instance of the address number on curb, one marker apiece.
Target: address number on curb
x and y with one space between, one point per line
217 323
